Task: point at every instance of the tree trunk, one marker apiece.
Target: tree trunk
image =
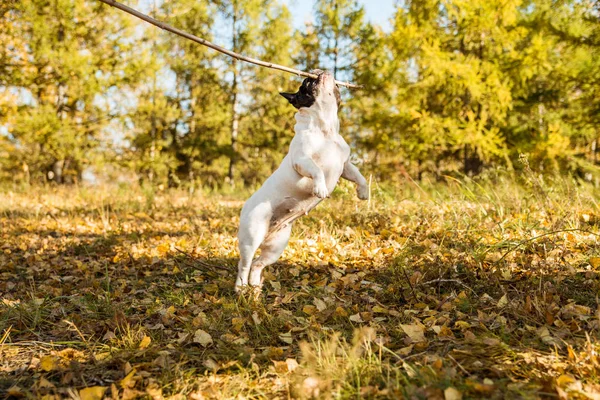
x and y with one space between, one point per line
234 105
472 164
234 135
57 169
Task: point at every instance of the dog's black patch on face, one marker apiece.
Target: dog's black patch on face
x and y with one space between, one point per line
306 95
308 92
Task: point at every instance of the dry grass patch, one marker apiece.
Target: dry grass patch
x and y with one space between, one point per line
463 290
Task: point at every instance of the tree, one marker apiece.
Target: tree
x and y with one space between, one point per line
62 63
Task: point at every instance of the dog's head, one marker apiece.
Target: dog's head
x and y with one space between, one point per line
321 91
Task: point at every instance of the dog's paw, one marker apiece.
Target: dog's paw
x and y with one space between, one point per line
362 192
320 189
248 292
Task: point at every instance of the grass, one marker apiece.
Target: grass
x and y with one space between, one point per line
463 289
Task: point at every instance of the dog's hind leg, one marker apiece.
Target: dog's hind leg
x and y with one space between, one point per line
250 237
271 250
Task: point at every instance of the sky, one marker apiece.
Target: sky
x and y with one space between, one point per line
378 11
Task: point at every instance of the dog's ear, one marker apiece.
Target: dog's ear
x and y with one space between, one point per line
291 97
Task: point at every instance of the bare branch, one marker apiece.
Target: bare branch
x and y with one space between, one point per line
213 46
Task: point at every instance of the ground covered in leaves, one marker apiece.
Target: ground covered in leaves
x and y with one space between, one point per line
458 290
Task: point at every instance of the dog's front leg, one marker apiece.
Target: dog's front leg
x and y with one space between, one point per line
352 174
305 166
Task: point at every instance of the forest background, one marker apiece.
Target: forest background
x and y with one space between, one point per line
452 87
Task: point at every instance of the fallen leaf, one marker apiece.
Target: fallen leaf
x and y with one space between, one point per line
356 318
256 318
48 363
202 337
320 304
491 341
452 394
163 248
595 262
415 332
211 364
109 335
286 337
145 342
238 323
379 310
45 383
309 309
405 350
545 335
92 393
15 391
341 312
292 364
128 381
564 380
503 302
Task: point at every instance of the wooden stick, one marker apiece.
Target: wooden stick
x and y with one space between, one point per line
213 46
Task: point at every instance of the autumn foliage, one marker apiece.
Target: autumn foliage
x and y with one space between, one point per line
451 87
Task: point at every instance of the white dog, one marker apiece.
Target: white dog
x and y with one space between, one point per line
317 157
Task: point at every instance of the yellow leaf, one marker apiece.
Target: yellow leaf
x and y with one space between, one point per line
145 342
356 318
321 282
415 332
545 335
286 337
237 323
503 302
202 337
280 366
273 352
564 380
45 383
283 367
385 233
462 325
491 341
445 332
48 363
320 304
452 394
15 391
595 262
256 318
292 364
309 309
163 248
341 312
379 310
128 381
92 393
405 350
